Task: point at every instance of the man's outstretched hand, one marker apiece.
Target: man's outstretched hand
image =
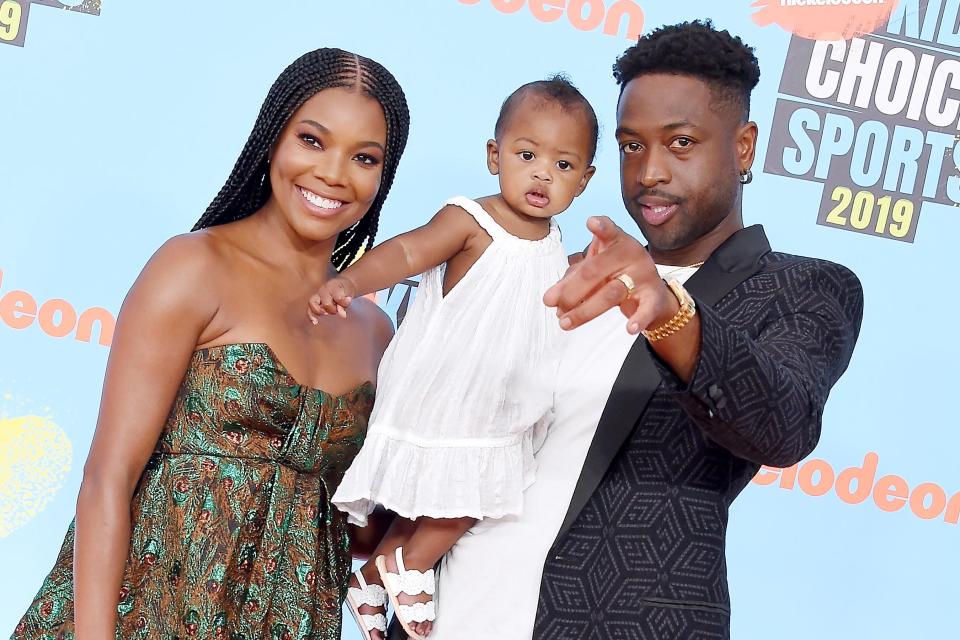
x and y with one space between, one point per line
590 287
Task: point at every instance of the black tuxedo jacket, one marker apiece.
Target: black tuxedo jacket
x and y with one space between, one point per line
641 552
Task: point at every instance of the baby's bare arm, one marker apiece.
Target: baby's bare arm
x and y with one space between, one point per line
448 232
412 253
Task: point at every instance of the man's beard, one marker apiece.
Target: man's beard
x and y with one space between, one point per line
692 221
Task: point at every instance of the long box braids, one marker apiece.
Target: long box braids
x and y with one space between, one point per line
248 187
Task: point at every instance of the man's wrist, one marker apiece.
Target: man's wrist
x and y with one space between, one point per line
677 343
668 306
683 310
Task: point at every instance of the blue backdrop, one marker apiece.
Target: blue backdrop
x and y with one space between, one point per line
117 129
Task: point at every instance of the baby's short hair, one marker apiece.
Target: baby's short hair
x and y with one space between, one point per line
557 89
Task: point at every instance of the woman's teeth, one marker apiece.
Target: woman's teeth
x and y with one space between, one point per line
317 201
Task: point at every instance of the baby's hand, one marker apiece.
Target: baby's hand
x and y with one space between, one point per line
333 298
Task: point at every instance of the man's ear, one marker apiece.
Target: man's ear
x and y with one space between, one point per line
493 157
585 179
746 141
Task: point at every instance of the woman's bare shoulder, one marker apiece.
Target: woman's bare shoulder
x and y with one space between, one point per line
372 320
202 247
182 274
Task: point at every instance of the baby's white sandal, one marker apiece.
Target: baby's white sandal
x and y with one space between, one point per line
412 583
371 595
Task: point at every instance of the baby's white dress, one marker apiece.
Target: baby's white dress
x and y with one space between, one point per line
465 388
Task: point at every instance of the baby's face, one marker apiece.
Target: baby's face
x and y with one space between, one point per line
542 157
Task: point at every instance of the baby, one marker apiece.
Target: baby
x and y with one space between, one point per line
454 426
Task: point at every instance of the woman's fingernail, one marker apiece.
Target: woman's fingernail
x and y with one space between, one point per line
566 323
634 328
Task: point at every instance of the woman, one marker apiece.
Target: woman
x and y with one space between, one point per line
227 418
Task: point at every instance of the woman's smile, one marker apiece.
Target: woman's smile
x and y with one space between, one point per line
320 205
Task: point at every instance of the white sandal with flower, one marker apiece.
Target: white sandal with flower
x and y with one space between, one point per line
372 595
412 583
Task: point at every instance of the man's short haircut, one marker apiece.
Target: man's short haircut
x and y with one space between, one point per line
698 50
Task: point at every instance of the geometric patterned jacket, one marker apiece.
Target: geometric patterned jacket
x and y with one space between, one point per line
641 552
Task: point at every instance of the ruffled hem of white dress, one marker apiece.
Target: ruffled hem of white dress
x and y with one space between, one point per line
414 479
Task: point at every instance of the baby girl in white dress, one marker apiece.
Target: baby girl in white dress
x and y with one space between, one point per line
467 379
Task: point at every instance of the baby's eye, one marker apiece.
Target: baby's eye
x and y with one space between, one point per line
526 155
630 147
563 165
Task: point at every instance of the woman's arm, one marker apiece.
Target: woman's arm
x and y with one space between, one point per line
408 254
158 328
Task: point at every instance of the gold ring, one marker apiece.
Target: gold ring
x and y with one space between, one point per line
628 283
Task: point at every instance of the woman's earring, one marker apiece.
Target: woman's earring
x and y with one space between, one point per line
746 177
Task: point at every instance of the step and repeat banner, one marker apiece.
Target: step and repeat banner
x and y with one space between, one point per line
120 120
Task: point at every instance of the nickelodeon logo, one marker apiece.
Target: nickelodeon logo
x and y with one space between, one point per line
890 493
56 317
583 15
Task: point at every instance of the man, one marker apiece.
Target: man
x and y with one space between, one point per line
732 372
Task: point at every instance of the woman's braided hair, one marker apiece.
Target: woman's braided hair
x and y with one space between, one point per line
248 187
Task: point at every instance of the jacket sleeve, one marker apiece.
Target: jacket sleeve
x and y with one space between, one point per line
761 394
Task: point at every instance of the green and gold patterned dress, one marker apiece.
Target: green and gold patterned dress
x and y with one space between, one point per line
233 533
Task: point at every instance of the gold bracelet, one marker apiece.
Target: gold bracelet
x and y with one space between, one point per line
688 308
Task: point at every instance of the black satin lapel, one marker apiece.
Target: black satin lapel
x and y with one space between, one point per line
733 262
632 390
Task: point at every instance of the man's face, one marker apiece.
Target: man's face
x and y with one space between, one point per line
681 153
